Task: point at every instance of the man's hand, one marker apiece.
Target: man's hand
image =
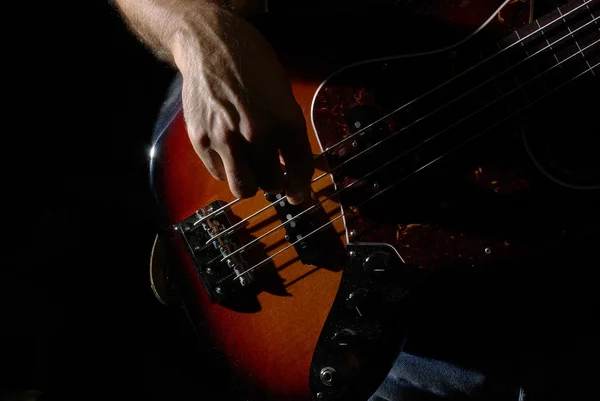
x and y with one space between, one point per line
240 112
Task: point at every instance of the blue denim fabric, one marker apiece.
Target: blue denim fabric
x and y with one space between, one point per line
415 378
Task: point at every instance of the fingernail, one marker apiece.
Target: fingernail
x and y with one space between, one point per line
296 198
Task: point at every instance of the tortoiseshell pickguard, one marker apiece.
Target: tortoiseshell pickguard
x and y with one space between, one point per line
475 204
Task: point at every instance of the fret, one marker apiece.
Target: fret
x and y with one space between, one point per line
573 55
572 66
593 58
588 35
548 59
531 38
583 19
582 16
584 40
591 54
522 44
563 32
569 11
526 65
572 4
548 44
557 34
549 18
587 39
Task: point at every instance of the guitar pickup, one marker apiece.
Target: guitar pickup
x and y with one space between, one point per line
298 229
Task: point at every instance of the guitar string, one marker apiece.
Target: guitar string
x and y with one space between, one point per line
431 91
312 208
230 204
363 129
317 156
398 157
236 276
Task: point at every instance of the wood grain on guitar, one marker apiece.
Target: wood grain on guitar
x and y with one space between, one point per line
422 168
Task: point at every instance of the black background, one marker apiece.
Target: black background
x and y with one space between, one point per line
78 318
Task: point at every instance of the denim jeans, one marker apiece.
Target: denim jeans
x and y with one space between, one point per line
416 378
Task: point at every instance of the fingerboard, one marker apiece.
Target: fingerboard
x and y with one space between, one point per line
550 51
492 85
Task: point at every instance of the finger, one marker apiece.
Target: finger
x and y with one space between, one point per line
296 153
266 167
234 154
213 163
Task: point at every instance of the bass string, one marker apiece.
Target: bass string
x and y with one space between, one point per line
459 75
413 148
314 207
235 276
393 112
230 204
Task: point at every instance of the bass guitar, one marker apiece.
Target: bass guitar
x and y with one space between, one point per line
447 134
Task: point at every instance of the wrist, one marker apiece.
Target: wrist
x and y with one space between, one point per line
199 33
182 45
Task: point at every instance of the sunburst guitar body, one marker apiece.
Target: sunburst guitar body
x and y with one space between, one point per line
438 146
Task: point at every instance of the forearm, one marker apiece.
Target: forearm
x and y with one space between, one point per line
161 23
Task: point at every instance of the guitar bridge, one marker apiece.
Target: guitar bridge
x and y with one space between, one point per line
221 271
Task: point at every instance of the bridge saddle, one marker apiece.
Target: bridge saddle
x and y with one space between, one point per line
212 249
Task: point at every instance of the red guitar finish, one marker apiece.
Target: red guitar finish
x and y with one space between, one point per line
271 347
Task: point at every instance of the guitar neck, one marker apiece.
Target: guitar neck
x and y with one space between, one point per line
491 86
547 54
